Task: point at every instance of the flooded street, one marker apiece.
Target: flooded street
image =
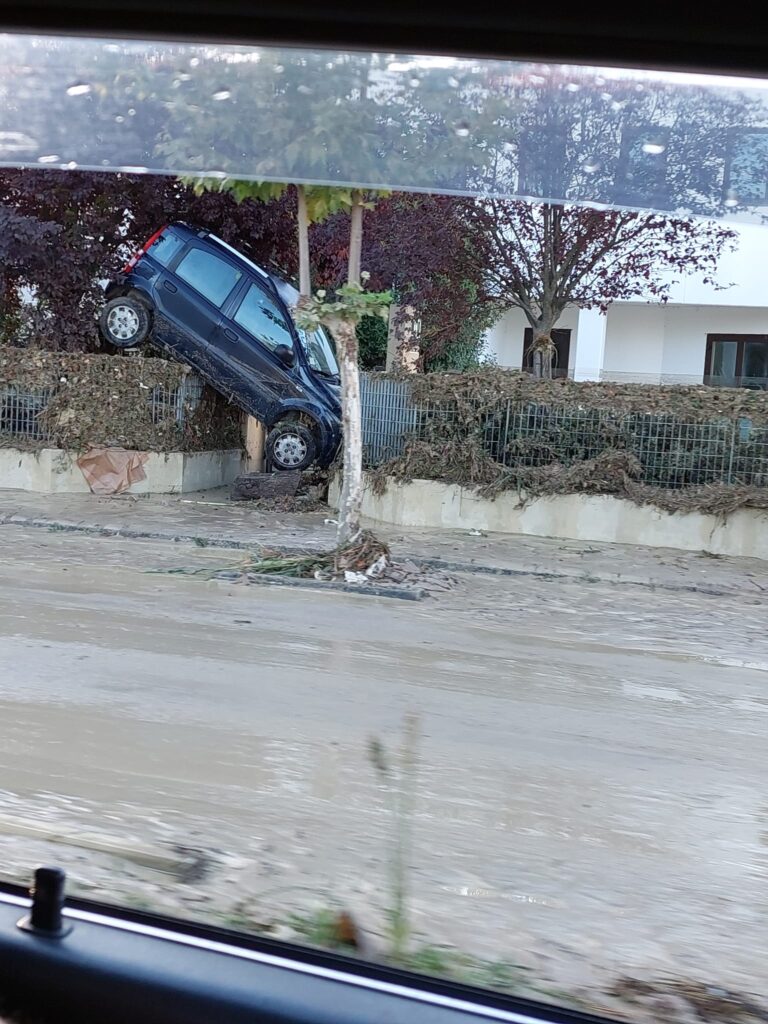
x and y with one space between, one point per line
591 793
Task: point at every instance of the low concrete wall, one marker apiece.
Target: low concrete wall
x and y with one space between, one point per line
586 517
55 471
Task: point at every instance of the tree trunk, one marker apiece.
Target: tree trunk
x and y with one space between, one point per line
351 502
355 239
543 351
305 280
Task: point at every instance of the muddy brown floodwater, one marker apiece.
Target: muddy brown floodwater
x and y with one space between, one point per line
590 801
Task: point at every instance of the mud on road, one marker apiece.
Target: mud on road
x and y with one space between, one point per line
589 798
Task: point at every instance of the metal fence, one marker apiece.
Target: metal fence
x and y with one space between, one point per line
672 452
22 409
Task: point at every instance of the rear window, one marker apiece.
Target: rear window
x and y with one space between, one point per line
166 248
214 278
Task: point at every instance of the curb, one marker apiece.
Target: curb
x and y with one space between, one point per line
131 533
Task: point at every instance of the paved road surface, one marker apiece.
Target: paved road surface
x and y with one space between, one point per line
591 796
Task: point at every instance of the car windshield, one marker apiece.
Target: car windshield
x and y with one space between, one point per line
509 727
319 349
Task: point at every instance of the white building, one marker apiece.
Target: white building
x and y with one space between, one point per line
701 333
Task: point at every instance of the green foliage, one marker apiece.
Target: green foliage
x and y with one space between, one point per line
349 304
372 338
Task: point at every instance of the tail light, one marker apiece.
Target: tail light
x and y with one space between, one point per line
147 245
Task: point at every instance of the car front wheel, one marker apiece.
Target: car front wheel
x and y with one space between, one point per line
124 322
291 446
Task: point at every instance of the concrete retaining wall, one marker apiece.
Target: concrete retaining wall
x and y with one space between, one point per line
571 516
55 471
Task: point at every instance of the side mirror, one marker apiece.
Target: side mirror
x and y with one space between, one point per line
286 355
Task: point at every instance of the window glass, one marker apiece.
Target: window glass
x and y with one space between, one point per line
724 355
748 169
166 248
261 317
213 277
320 351
755 369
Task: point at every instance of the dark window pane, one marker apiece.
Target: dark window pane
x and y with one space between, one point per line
212 277
755 367
259 315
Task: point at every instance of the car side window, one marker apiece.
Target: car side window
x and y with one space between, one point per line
214 278
166 247
262 318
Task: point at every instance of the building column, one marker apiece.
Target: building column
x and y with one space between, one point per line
590 344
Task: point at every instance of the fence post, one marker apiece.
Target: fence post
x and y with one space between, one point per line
733 446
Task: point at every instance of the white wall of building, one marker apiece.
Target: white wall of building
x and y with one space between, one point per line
655 342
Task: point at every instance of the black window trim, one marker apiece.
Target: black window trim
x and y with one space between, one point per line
146 967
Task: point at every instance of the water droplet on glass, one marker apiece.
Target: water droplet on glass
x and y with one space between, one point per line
572 87
131 112
606 96
654 148
105 163
78 89
119 118
599 80
414 83
732 199
639 88
134 170
279 69
183 77
71 166
537 79
453 82
112 48
49 158
462 129
221 94
194 61
304 90
590 166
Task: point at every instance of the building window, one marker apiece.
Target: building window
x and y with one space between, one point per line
737 361
746 178
561 338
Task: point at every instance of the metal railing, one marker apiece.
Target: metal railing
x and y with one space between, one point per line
672 452
22 409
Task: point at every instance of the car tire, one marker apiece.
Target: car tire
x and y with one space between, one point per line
291 446
124 322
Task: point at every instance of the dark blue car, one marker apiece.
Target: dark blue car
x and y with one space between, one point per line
210 306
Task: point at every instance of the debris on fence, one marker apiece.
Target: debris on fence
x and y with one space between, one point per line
74 400
497 430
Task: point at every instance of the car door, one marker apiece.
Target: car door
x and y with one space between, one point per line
253 326
188 303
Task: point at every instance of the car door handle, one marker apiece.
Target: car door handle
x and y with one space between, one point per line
232 335
170 287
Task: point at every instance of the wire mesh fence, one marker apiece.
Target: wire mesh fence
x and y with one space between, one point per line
671 451
22 409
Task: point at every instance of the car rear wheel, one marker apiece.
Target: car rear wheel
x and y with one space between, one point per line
291 446
124 322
